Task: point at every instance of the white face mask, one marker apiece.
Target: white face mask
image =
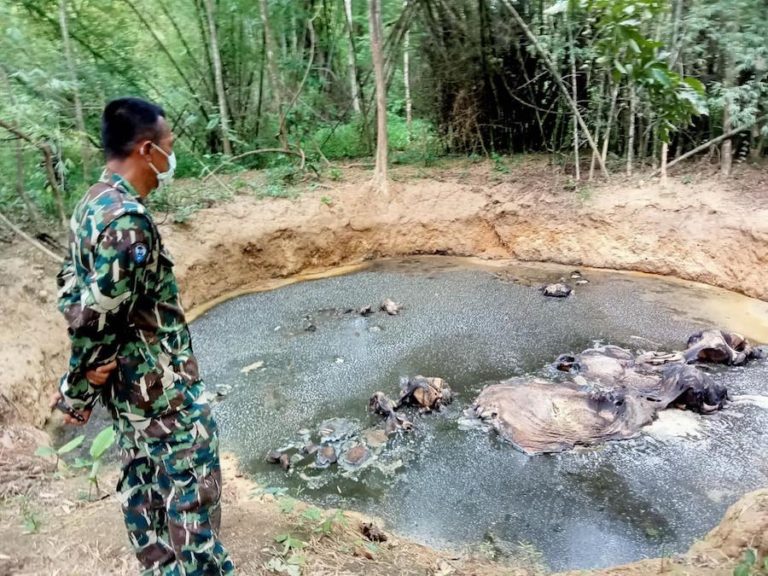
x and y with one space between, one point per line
164 178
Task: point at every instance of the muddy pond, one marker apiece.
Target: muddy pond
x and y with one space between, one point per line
294 357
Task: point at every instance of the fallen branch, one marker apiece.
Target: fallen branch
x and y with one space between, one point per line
322 156
710 143
29 238
298 152
45 148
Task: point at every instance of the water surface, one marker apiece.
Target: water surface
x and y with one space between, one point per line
472 324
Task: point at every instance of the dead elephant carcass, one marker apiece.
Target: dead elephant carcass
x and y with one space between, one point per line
611 397
663 378
380 404
686 387
539 416
720 347
426 393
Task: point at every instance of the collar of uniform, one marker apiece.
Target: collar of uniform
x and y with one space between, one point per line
117 181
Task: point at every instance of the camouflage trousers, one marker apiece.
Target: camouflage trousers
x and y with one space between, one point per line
170 493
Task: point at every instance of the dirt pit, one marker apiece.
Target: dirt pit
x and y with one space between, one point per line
698 228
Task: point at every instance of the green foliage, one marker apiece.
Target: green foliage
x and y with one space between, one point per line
335 174
289 543
46 451
498 164
287 505
103 442
100 445
291 565
419 145
750 565
325 526
476 83
31 520
342 141
287 560
584 193
628 54
275 491
180 202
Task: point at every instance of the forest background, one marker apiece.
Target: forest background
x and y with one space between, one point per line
296 87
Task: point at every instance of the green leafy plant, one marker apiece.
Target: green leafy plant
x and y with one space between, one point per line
47 451
277 492
750 565
326 525
327 200
287 505
498 164
290 566
584 193
103 442
312 514
31 520
288 560
289 542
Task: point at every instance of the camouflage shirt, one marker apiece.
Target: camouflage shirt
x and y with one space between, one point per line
118 293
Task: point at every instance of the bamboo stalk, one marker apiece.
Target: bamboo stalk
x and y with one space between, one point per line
558 80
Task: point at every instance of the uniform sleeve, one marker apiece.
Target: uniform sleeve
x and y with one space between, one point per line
97 312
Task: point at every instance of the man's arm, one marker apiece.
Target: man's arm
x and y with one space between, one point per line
97 313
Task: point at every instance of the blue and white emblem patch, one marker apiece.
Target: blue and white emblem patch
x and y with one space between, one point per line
140 253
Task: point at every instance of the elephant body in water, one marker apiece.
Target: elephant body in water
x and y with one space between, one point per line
539 416
720 347
610 395
662 378
603 393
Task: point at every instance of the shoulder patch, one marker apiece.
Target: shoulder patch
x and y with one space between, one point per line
139 253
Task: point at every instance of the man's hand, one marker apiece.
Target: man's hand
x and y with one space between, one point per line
56 398
99 376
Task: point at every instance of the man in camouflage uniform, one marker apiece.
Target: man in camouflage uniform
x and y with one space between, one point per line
131 347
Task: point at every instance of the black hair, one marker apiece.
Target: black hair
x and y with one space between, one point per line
126 121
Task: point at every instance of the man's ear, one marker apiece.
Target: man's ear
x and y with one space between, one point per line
145 148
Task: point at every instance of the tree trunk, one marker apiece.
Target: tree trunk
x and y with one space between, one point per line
351 65
726 150
45 148
407 79
574 91
609 124
677 37
274 79
631 135
756 143
85 149
728 75
19 152
558 79
664 153
218 75
261 82
202 24
380 181
599 125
